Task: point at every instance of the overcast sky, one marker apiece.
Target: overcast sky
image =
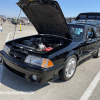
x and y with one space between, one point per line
70 8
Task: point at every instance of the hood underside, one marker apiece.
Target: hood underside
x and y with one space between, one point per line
46 16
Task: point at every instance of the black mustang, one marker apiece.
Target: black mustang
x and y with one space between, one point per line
57 49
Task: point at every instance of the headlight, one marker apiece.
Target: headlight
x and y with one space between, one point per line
6 49
38 61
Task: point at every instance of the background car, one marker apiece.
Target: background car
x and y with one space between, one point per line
22 22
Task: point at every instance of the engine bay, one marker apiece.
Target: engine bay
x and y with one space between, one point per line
38 45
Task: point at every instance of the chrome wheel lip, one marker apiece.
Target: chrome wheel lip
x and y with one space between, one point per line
70 67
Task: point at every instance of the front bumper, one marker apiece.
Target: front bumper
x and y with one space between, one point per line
25 71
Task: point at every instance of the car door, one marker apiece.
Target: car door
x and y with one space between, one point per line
90 43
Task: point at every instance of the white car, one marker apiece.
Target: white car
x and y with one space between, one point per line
1 29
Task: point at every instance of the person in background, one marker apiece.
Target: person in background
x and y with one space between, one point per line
3 20
9 20
15 21
28 22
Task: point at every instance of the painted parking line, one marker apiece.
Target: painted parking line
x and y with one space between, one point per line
8 36
91 87
7 39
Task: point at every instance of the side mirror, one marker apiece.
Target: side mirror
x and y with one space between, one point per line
90 36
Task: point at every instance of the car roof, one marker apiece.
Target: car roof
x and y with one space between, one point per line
89 15
84 23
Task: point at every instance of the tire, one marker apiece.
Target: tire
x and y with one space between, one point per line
97 54
69 69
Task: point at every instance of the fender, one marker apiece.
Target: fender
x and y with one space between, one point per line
73 52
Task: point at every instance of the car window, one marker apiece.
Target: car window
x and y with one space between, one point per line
76 32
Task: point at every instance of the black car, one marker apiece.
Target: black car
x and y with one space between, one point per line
57 49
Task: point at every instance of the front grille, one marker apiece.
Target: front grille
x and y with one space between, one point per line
15 71
17 55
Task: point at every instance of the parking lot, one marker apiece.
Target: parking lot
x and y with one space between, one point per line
84 85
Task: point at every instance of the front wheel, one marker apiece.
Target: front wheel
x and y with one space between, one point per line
69 69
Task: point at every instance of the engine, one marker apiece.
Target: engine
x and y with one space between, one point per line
37 44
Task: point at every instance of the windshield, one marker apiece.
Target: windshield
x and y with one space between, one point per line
76 32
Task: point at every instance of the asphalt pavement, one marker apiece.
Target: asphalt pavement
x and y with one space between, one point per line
15 88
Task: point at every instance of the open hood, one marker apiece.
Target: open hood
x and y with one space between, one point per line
46 16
